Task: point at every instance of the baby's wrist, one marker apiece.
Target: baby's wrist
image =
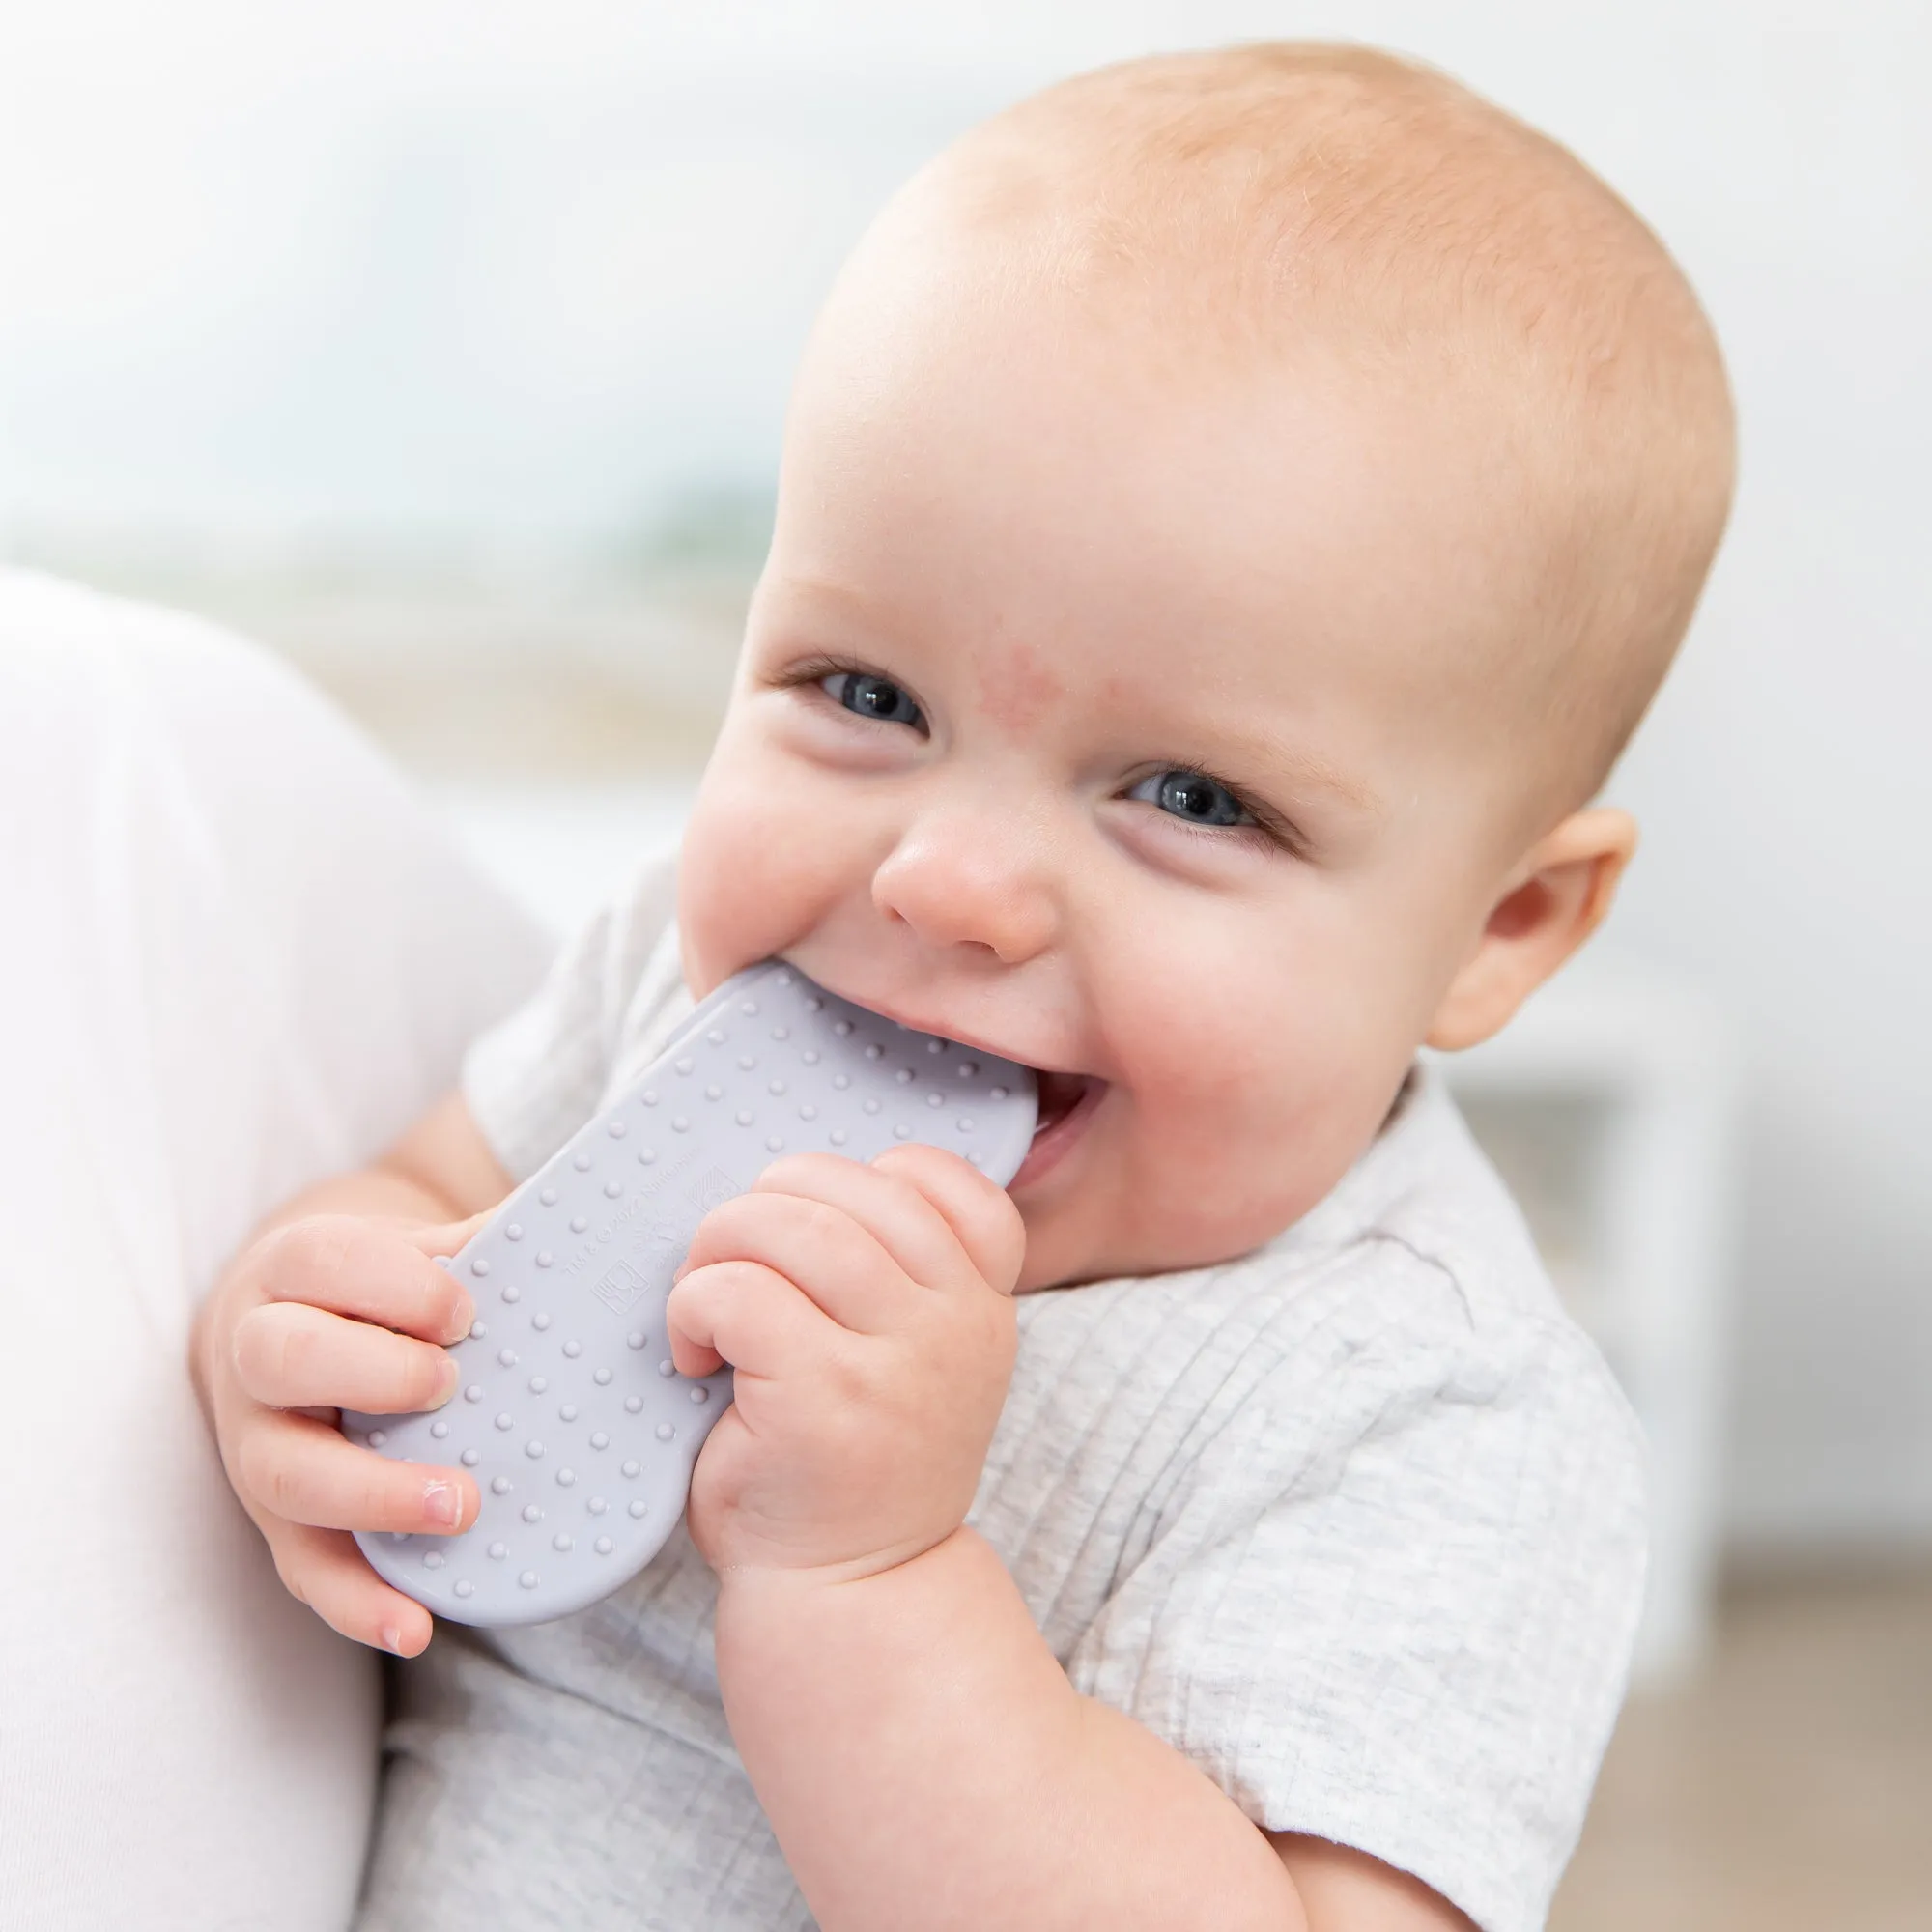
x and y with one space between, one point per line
791 1639
780 1581
809 1658
786 1590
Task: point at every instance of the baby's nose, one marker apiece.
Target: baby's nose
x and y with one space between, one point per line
957 880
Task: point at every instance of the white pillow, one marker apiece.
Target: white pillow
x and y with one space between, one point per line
235 956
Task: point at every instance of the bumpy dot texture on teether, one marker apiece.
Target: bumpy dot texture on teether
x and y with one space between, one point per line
580 1432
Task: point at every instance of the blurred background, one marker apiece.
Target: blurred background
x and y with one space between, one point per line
445 348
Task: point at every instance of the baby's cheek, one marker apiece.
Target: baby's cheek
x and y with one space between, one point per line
735 870
758 868
1249 1112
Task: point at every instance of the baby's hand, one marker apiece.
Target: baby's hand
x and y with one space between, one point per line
867 1312
325 1314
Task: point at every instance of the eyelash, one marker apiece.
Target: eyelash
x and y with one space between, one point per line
1269 825
813 672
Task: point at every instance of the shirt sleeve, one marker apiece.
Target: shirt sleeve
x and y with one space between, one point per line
1413 1642
535 1077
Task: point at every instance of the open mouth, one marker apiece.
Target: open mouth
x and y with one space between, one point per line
1067 1102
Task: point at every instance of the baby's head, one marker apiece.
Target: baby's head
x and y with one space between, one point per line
1234 508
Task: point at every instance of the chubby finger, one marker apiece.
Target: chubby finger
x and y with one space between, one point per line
364 1270
890 1206
324 1569
303 1470
445 1237
831 1257
749 1315
980 1214
292 1355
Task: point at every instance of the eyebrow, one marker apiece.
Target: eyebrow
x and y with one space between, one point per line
1261 752
1320 775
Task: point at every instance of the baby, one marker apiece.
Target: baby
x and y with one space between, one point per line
1234 510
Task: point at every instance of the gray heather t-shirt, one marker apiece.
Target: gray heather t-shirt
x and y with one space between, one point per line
1355 1522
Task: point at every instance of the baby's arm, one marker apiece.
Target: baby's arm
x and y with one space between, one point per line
920 1752
925 1762
335 1302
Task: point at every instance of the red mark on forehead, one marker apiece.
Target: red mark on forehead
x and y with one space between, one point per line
1016 689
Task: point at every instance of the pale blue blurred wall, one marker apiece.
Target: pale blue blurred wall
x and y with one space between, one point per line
530 269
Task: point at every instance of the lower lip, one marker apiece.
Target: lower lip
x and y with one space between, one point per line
1050 1147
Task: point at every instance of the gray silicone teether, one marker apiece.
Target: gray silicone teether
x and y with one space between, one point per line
579 1431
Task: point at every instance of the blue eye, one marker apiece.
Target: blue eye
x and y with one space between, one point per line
1193 796
873 696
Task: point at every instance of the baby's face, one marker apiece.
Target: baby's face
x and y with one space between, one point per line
1116 717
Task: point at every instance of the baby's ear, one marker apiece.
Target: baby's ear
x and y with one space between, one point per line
1555 898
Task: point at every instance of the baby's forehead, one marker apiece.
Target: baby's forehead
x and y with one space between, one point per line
1098 557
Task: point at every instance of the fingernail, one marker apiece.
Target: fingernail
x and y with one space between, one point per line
392 1638
442 1503
463 1315
452 1374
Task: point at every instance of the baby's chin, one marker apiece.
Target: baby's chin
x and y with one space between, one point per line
1106 1202
1076 1239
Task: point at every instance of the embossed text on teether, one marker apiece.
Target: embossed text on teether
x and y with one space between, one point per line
647 1196
712 1189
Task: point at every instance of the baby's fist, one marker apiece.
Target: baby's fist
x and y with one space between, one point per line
866 1312
327 1313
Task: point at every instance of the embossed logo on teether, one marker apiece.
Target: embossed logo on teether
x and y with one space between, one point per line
620 1289
714 1190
